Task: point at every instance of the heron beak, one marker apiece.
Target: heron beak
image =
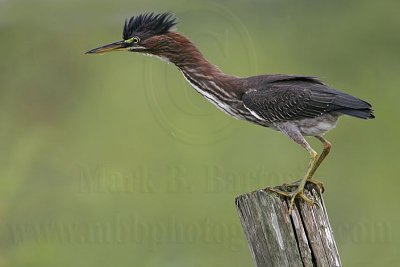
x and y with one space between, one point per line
117 46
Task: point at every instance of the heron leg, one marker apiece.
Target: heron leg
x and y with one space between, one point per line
324 153
293 132
299 191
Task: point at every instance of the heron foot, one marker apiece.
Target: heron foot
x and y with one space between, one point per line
319 184
299 192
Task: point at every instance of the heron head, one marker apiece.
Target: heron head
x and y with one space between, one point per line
145 33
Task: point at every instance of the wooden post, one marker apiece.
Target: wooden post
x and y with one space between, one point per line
276 239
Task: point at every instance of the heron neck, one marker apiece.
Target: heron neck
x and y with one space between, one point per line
188 58
221 89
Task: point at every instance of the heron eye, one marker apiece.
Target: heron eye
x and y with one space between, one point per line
134 40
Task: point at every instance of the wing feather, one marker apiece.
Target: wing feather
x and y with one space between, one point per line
283 103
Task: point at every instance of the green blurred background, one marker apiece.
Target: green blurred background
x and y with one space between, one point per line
115 160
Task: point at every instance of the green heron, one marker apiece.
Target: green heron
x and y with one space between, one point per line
295 105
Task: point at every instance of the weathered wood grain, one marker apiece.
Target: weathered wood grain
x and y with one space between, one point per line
277 239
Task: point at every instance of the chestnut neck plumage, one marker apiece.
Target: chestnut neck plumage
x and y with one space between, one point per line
221 89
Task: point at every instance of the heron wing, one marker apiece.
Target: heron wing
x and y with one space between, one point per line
287 100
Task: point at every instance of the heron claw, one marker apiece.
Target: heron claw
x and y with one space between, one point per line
299 192
317 183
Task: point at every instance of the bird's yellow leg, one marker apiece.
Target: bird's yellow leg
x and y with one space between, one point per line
299 192
324 153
